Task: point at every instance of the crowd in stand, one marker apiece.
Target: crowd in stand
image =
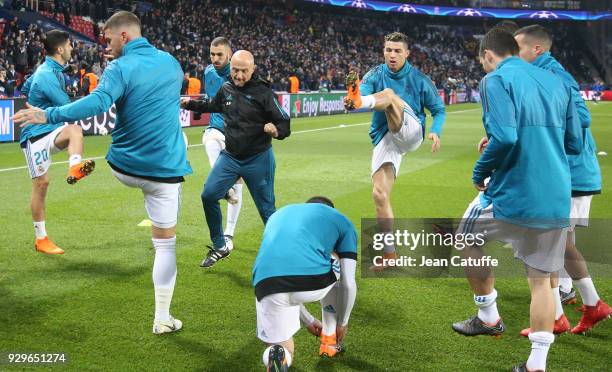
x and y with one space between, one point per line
316 45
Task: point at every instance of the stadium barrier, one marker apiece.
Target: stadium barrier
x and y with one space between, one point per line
96 125
312 104
296 105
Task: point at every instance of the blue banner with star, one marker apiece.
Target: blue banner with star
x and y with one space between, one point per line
575 15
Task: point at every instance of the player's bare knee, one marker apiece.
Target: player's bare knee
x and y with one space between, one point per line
379 195
41 184
75 130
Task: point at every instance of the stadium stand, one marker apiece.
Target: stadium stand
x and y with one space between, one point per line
336 39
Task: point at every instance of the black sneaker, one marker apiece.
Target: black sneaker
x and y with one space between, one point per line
276 360
523 368
568 298
213 256
474 327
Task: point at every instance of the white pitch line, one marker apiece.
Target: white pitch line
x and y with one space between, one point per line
199 144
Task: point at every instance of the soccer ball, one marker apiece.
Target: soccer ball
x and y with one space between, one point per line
406 8
469 12
543 14
358 4
186 140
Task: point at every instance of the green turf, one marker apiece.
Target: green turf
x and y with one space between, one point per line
96 301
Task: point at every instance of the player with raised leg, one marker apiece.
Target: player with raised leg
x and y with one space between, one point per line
47 88
147 150
305 238
534 47
398 93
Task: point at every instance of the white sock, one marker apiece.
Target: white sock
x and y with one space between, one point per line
233 211
266 356
39 229
389 248
587 291
74 159
487 307
329 316
368 101
565 282
164 276
558 304
540 343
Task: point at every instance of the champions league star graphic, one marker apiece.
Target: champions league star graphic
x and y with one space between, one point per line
406 8
469 12
358 4
544 14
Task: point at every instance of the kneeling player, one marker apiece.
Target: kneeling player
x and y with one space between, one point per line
295 266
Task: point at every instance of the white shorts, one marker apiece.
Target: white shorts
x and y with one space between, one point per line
278 314
541 249
393 145
579 212
38 154
162 200
214 142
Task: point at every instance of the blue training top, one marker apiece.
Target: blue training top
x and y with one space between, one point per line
586 174
45 88
214 79
145 84
532 123
412 86
298 241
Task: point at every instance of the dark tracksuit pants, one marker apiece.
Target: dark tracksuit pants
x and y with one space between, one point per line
257 172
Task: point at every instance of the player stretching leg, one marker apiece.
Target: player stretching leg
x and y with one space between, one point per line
393 130
47 88
148 151
306 237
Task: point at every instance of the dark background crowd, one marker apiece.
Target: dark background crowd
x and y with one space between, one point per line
316 44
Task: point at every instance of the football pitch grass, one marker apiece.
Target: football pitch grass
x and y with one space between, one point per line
95 302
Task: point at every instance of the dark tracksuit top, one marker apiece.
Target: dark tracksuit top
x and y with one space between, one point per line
248 149
246 110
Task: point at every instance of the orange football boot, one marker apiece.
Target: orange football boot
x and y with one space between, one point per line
47 246
78 171
353 99
328 347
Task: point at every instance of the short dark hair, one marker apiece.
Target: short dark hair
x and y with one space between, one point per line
537 32
221 41
397 37
500 42
55 39
508 25
322 200
121 19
